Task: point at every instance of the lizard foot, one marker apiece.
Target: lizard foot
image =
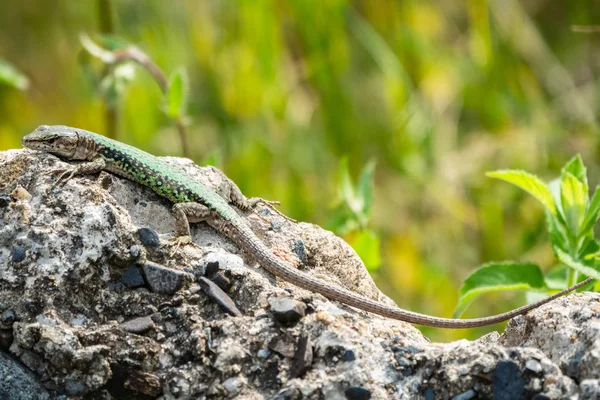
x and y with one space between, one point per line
254 201
182 240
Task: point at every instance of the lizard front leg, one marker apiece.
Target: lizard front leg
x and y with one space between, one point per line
96 165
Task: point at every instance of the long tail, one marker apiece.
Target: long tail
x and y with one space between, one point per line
247 240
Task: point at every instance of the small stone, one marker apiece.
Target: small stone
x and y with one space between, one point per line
219 296
135 250
7 318
348 356
138 325
357 393
287 310
303 357
533 366
17 254
18 382
263 354
164 280
148 237
233 385
300 251
132 278
468 395
429 394
507 381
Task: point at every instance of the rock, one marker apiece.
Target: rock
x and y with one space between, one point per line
507 381
17 382
219 296
287 310
132 278
17 254
138 325
357 393
164 280
149 238
70 310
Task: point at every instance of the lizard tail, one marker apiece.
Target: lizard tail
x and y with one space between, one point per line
285 271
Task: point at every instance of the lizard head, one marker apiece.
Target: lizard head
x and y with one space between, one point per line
59 140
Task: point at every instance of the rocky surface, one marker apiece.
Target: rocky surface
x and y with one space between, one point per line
96 302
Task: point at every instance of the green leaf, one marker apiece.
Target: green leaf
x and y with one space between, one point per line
576 168
573 198
176 96
591 214
367 246
10 76
556 230
588 268
528 182
498 277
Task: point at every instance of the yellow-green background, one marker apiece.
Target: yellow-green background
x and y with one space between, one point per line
436 92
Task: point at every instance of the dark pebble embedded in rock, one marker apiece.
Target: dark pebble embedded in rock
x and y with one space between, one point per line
138 325
17 254
507 381
348 356
303 357
468 395
357 393
219 296
429 394
287 310
7 318
300 251
132 277
164 280
148 237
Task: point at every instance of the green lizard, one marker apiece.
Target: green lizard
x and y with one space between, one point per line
195 202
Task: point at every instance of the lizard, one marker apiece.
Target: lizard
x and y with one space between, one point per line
195 202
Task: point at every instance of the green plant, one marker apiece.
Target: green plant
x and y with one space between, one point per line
571 216
117 56
352 211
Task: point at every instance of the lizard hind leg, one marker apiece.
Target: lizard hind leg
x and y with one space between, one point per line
184 213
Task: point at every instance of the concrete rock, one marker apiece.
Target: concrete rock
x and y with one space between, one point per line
83 332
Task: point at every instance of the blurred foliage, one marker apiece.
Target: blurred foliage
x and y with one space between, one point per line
436 93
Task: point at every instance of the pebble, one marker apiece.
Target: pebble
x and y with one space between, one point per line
148 237
357 393
300 251
507 381
349 355
219 296
287 310
138 325
132 278
164 280
17 254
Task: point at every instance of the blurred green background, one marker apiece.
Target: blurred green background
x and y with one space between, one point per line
281 93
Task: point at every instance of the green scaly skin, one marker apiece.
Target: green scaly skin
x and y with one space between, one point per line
196 202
